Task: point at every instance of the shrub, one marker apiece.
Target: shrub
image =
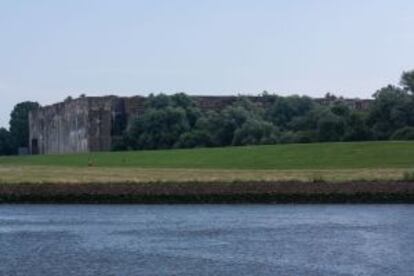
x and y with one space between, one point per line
288 137
405 133
306 136
193 139
254 132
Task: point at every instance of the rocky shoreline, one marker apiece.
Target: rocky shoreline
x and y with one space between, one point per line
210 192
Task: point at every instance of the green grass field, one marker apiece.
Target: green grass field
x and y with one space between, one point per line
328 161
275 157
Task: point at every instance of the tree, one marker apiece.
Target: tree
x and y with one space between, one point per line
331 127
254 132
211 123
182 100
157 128
6 142
357 129
407 81
223 125
286 109
185 102
19 123
341 110
393 108
194 138
158 101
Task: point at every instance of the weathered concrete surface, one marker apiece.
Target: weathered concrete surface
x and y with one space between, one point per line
79 125
60 128
100 123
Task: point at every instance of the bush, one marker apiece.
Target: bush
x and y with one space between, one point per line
405 133
331 127
301 137
306 136
193 139
157 128
254 132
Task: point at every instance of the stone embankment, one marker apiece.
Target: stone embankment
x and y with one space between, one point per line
211 192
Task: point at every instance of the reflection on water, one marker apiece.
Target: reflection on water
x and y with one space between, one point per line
206 240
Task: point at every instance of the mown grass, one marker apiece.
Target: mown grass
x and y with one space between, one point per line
283 157
59 174
329 162
369 155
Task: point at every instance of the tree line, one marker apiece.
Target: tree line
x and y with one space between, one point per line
177 122
17 136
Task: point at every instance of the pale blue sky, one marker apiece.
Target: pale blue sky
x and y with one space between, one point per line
51 49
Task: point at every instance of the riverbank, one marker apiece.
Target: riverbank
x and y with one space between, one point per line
380 172
211 192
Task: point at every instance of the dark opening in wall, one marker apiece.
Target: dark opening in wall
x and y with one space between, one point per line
119 118
35 146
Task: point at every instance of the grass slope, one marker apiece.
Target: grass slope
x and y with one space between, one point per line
321 156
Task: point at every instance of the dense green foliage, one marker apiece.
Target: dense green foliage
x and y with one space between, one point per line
19 123
176 122
392 109
405 133
407 81
18 136
6 142
350 155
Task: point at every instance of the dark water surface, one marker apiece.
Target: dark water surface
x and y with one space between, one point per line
207 240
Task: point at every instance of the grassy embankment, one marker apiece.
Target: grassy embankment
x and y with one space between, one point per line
334 162
330 172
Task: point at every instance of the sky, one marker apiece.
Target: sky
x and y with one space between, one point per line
52 49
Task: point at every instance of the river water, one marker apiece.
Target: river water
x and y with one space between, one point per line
206 239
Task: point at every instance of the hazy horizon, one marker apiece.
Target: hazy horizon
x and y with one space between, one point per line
51 50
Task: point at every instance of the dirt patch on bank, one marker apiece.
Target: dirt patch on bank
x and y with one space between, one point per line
211 192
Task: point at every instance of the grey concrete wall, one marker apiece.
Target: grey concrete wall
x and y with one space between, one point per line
100 123
60 128
80 125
